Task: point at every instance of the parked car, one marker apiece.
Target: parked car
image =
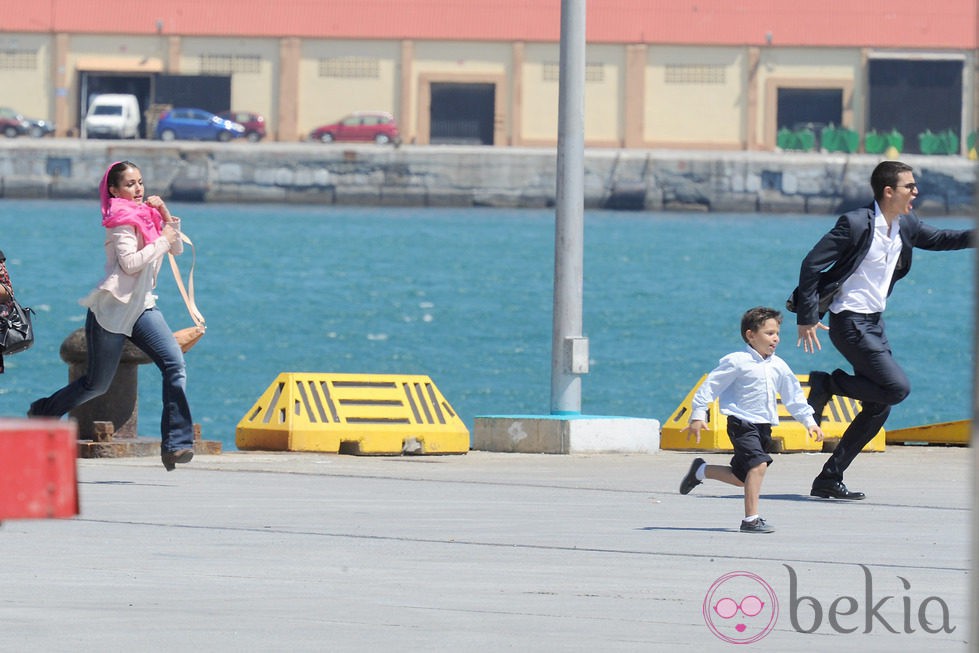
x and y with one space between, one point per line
196 125
14 124
253 123
377 126
112 115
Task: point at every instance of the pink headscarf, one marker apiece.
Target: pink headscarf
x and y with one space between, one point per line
117 211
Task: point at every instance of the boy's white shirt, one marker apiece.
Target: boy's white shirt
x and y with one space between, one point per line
747 386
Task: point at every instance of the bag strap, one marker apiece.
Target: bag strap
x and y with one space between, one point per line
188 292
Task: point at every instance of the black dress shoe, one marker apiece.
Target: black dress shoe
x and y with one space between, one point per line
690 481
171 458
834 490
819 394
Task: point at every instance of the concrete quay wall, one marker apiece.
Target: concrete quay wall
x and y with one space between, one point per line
342 174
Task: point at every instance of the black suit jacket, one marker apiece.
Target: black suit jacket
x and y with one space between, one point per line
838 254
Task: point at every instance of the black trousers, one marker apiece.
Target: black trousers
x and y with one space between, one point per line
878 382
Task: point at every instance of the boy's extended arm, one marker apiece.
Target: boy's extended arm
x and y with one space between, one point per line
719 378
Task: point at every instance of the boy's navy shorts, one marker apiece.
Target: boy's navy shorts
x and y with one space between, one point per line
751 443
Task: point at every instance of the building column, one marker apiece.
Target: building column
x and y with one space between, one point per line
407 120
634 96
518 55
287 125
172 65
59 64
751 105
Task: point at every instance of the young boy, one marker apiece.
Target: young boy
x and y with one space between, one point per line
746 383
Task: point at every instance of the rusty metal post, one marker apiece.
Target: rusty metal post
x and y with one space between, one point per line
120 404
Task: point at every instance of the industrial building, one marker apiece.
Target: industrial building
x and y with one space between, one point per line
694 74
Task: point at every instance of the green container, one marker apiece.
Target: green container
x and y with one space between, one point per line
829 138
928 142
952 142
839 139
786 140
896 140
944 142
874 143
807 139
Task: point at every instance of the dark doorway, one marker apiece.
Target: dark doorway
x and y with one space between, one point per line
816 107
209 92
914 96
101 83
462 114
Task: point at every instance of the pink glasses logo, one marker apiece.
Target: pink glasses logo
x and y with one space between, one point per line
740 608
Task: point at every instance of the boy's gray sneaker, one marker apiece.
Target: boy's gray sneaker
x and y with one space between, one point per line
690 481
757 525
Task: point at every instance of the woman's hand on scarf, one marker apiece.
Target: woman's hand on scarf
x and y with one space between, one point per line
157 203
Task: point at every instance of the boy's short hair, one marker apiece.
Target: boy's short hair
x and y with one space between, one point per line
753 318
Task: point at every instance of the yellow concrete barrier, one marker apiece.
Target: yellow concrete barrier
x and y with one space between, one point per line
353 413
948 433
789 435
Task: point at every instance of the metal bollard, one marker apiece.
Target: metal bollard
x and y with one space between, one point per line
119 405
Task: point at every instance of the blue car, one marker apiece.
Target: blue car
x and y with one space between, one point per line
196 125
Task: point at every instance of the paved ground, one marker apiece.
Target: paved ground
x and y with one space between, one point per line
490 552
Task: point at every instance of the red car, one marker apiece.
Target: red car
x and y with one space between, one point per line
377 126
253 123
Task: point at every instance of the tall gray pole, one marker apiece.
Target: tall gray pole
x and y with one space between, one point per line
974 440
974 431
569 352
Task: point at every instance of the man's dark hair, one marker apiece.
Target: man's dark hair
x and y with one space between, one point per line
753 318
885 174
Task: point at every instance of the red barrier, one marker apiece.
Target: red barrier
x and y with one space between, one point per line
38 476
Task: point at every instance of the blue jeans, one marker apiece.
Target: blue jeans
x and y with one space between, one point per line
152 335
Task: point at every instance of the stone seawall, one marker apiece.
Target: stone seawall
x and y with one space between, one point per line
313 173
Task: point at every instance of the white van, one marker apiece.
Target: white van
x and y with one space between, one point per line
112 116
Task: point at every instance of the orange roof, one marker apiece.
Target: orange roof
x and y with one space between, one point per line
907 24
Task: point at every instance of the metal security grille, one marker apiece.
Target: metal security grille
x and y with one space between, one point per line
594 72
350 67
18 60
694 74
228 64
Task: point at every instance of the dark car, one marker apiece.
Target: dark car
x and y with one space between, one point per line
377 126
14 124
253 123
196 125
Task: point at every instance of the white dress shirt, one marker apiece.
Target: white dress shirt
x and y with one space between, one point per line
747 386
865 291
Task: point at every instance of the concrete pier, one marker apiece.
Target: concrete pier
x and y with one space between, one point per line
357 174
489 552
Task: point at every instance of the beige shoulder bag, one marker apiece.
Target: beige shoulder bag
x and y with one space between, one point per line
188 337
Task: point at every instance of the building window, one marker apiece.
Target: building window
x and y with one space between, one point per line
594 72
230 64
694 74
350 67
18 60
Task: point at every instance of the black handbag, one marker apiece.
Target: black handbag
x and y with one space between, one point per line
16 328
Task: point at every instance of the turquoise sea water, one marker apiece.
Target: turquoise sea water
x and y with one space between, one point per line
464 296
